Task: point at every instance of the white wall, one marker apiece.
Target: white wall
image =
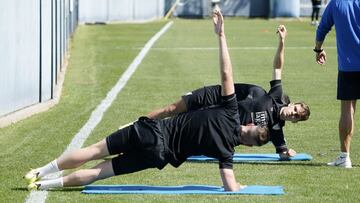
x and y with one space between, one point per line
33 42
91 11
19 54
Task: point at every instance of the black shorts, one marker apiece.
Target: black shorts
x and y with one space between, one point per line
348 87
136 151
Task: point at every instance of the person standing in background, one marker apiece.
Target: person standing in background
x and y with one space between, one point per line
316 5
345 15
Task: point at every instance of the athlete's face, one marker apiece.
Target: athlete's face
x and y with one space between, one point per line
292 112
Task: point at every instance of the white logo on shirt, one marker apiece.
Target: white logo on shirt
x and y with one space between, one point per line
260 118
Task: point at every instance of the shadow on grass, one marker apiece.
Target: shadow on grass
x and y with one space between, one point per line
19 189
286 163
283 163
72 189
280 163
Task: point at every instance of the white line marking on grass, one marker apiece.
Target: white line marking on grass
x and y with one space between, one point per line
230 48
96 115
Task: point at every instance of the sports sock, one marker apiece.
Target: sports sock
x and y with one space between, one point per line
345 155
51 167
53 183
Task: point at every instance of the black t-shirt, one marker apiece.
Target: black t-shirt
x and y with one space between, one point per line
255 105
265 111
210 95
212 131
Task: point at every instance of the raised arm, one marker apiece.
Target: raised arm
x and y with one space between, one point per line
227 84
279 55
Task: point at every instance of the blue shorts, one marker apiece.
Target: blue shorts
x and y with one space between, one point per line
348 87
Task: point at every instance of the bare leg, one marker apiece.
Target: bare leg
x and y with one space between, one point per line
87 176
77 178
78 157
346 124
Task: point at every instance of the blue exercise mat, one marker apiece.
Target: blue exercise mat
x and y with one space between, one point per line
254 157
184 189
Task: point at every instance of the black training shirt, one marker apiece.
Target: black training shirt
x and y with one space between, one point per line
265 111
212 131
255 105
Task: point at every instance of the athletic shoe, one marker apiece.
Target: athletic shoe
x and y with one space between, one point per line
33 186
341 162
32 176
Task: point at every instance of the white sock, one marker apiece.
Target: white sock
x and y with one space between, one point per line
51 167
47 184
345 154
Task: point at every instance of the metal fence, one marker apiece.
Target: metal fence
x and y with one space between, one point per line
34 36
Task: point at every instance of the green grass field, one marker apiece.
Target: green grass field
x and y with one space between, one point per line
100 54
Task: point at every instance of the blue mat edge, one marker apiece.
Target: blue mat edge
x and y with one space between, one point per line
298 157
92 189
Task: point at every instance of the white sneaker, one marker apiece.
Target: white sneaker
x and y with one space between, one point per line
341 162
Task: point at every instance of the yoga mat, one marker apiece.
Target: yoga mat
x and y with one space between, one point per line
183 189
254 157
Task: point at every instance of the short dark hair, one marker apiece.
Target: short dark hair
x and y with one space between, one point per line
263 135
306 114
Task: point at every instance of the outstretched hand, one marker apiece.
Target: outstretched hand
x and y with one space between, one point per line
281 30
218 20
